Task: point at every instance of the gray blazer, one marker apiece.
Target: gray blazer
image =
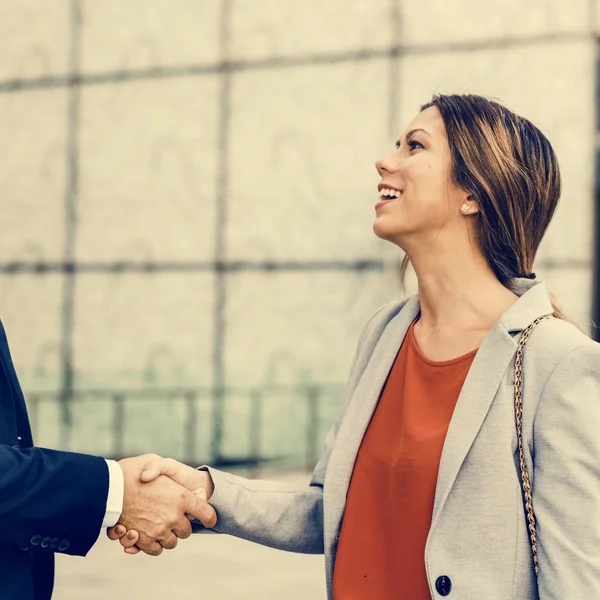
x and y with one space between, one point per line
478 536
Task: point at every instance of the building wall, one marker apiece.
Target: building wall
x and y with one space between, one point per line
205 170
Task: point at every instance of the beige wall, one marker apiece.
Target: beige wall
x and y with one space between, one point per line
314 98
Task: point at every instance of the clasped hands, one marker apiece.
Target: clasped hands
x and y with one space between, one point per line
161 497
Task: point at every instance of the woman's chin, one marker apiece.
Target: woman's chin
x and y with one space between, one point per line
383 229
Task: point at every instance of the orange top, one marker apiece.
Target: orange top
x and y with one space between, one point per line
389 504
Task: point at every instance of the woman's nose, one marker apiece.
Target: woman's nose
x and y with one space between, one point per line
388 163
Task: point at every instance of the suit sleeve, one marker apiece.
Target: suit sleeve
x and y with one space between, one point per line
53 496
566 482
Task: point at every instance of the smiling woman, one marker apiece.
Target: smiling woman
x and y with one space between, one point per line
465 151
418 491
504 162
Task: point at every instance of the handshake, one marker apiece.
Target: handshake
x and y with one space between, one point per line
161 497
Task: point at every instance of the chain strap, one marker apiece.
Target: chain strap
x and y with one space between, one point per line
519 422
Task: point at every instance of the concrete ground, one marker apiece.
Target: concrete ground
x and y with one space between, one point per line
204 566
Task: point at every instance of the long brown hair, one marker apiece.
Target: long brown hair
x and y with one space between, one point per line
510 168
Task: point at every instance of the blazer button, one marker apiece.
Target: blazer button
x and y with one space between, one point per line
63 545
46 542
443 585
54 544
36 540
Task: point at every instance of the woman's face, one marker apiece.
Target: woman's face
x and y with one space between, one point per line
418 172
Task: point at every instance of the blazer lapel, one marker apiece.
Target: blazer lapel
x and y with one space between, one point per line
494 357
472 406
360 410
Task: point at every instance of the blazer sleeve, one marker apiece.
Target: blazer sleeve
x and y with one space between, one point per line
279 515
566 478
51 494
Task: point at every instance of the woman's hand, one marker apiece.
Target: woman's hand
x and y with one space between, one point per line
199 482
128 538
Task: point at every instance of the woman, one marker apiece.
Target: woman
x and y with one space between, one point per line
418 493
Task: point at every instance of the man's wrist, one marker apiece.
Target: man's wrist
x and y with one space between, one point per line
116 492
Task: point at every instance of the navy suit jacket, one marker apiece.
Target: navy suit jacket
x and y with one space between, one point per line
50 501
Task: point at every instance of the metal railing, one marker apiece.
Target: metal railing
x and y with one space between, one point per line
119 423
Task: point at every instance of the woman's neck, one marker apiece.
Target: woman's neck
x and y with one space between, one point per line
465 298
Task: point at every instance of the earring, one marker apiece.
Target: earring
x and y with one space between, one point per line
464 209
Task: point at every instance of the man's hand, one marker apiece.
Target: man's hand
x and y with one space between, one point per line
158 508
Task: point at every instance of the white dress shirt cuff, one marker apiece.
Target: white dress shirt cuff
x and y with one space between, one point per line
116 490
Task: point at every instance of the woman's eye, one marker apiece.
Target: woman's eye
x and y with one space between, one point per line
413 145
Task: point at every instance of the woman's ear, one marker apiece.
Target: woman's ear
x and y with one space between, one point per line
469 205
